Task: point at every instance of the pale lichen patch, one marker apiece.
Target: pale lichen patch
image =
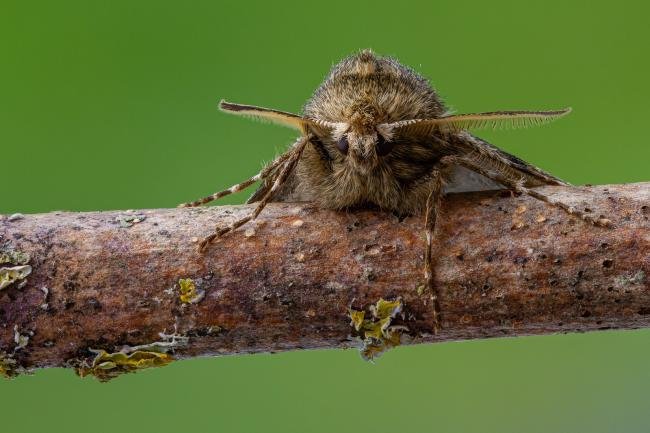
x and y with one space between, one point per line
21 340
624 281
13 257
300 257
10 275
377 331
129 219
15 217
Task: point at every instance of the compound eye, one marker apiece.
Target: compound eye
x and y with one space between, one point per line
343 144
383 147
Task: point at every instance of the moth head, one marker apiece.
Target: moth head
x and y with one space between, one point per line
362 148
359 142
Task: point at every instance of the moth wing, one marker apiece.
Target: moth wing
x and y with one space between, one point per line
451 135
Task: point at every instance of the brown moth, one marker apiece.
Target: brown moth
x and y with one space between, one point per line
376 134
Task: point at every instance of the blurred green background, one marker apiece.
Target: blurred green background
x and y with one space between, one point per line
112 105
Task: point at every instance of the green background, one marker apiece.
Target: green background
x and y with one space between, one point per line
112 105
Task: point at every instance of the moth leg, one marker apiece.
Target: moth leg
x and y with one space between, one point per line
243 185
432 208
432 212
289 165
517 185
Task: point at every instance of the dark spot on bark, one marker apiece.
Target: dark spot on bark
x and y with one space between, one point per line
460 257
586 313
618 301
578 278
71 284
202 331
287 302
644 311
134 333
610 289
587 210
94 304
604 245
579 295
644 208
68 303
560 324
607 263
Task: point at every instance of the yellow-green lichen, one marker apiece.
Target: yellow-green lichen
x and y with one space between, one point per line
106 365
13 257
189 293
10 275
377 332
7 366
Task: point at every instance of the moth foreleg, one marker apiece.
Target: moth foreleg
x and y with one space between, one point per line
290 163
243 185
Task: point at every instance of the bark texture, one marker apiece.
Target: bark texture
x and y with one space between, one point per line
132 286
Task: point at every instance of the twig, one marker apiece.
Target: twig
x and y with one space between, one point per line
112 292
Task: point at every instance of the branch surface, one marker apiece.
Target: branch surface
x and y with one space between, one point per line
112 292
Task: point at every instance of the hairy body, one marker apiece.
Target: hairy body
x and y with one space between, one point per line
365 91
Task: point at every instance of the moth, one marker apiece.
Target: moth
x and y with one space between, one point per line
376 134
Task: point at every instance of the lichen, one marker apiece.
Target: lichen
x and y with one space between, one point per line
21 340
15 217
126 221
7 366
10 275
106 366
624 281
13 257
189 293
377 332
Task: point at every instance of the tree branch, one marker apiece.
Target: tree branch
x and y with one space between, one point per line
132 287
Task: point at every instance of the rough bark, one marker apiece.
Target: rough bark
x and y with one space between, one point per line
292 279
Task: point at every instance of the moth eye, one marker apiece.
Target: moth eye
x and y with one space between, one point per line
343 144
383 147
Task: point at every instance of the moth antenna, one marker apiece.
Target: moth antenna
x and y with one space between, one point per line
283 118
494 120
